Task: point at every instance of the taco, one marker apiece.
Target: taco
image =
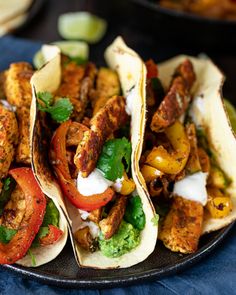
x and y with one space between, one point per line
32 230
94 153
188 155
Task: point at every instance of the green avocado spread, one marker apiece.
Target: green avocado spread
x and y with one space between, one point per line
126 239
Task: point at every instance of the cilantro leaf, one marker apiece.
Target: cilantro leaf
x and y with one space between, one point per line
43 231
6 234
45 97
134 213
8 186
32 256
155 219
114 153
60 110
51 217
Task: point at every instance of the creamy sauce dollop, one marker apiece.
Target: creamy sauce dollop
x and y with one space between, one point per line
95 183
192 187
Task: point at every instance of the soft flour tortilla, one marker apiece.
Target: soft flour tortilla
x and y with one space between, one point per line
12 24
212 117
10 9
48 78
47 253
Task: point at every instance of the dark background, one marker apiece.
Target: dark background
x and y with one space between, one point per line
151 35
147 32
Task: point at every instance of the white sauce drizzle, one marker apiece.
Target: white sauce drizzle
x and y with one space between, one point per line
129 102
84 214
197 110
93 228
117 185
95 183
192 187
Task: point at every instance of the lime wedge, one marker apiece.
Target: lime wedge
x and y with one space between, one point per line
81 26
74 49
231 113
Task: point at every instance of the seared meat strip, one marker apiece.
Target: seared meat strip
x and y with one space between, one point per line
14 210
8 139
17 84
107 85
75 134
19 94
23 148
177 99
182 226
109 119
77 80
85 240
111 224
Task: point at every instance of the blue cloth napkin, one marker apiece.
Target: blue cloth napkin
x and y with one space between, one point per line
216 274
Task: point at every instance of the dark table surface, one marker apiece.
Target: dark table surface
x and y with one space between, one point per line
148 43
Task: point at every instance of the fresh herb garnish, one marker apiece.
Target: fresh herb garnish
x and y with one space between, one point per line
111 161
60 110
32 256
9 185
78 60
51 217
155 219
6 234
134 213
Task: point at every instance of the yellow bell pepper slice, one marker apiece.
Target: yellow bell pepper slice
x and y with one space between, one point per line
171 162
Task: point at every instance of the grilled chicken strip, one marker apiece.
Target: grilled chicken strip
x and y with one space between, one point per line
14 210
23 148
107 85
177 99
182 227
19 94
109 119
76 84
75 134
84 238
17 84
8 139
95 215
110 225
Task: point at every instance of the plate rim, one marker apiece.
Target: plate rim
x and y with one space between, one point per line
127 280
182 14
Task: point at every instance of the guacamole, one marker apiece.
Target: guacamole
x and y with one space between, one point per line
126 239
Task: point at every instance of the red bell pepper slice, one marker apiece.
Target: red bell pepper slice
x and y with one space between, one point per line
67 184
52 237
35 203
152 71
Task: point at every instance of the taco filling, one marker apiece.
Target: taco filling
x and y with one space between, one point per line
28 219
179 165
90 154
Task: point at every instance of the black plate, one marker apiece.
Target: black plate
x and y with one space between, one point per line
182 14
64 272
